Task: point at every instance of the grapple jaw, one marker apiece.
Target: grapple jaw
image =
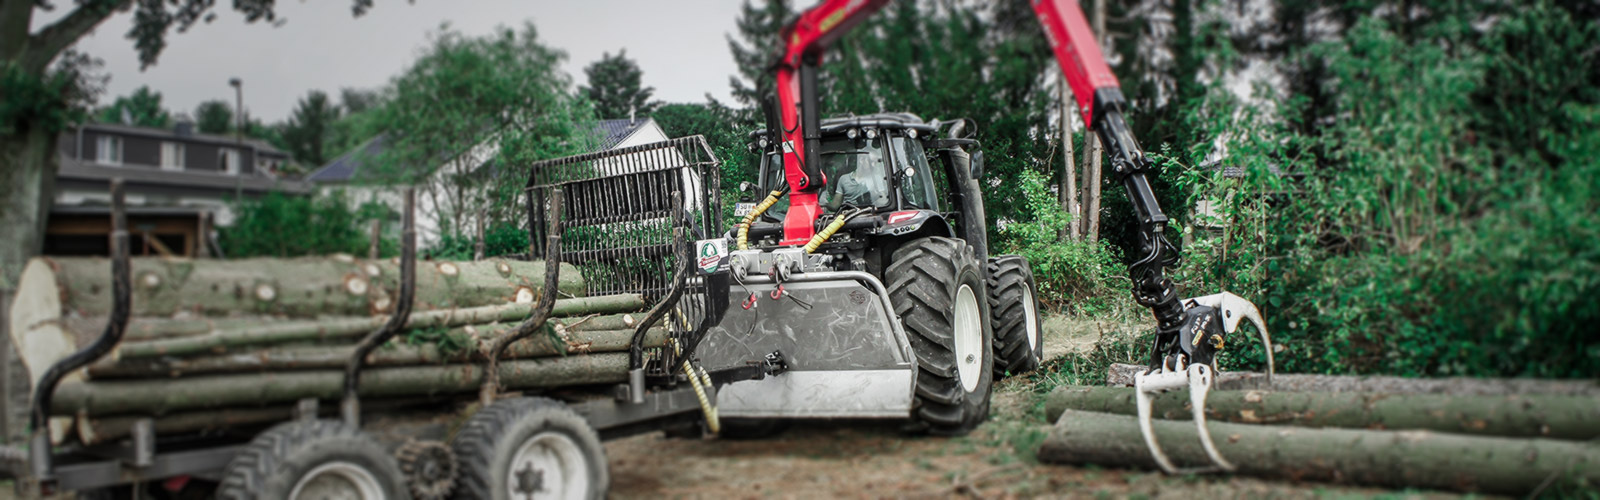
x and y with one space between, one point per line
1193 365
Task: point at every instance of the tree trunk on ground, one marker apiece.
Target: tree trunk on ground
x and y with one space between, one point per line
300 287
1121 375
1560 417
307 331
1069 174
1410 459
156 397
293 358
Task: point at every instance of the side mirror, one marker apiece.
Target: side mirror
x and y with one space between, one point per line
977 165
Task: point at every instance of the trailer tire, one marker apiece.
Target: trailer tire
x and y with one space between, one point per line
937 290
1014 310
286 460
524 433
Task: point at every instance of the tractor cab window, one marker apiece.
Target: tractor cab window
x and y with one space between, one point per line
916 179
858 173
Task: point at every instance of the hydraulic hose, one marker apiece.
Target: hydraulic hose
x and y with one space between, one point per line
833 227
750 218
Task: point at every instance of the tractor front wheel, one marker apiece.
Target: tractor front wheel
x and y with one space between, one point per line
938 291
1018 346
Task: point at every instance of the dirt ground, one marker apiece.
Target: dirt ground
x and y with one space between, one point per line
875 459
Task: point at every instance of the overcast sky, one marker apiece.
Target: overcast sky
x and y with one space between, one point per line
680 45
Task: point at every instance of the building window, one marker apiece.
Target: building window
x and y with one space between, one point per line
108 150
171 156
228 159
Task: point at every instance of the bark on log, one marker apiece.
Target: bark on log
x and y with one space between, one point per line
299 287
346 328
1121 375
1560 417
314 357
1397 459
142 329
156 397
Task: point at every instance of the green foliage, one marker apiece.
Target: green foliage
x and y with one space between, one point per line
614 87
1421 233
53 100
1073 275
718 124
499 239
309 127
465 95
214 117
276 225
142 108
448 342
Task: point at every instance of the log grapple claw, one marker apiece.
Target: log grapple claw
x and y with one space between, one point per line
1198 378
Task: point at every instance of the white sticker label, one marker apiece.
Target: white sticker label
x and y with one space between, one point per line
709 254
744 208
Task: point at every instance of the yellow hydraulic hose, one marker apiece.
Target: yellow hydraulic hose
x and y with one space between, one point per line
826 232
750 218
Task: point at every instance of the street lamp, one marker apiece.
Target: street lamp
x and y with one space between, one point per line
238 107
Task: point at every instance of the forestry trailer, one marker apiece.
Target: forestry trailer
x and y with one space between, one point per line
887 304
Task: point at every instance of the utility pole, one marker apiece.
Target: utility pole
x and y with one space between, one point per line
1069 175
238 108
1091 171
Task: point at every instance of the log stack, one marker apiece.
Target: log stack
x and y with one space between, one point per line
218 343
1508 436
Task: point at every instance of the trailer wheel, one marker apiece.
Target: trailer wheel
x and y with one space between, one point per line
937 290
529 448
313 460
1014 309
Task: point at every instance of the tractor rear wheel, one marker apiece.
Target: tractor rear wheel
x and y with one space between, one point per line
1014 310
937 289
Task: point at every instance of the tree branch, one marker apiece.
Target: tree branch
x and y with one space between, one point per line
49 42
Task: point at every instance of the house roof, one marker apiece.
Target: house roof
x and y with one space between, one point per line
348 166
171 134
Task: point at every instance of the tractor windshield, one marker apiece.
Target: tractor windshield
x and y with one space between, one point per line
857 170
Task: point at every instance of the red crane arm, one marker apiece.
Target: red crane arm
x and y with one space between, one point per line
798 109
1077 52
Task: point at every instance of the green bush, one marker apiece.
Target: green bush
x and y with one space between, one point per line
291 226
1071 275
498 239
1420 233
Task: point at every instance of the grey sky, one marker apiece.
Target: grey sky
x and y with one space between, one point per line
680 46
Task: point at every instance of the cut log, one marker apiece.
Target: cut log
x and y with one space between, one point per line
300 287
1396 459
156 397
348 328
314 357
1121 375
1560 417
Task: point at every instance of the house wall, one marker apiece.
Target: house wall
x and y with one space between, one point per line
141 151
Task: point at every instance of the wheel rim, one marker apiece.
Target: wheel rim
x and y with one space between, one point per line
969 338
1030 313
548 465
337 481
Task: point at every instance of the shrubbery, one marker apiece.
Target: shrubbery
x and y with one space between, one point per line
290 226
1078 276
1420 233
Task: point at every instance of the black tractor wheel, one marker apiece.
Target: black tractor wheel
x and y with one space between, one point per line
313 460
937 289
526 447
1014 310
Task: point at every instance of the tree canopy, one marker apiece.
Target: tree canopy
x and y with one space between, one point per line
615 89
308 128
214 117
142 108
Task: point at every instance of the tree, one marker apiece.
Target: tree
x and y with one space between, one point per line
309 126
214 117
47 88
467 117
717 124
614 87
142 108
355 100
754 51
